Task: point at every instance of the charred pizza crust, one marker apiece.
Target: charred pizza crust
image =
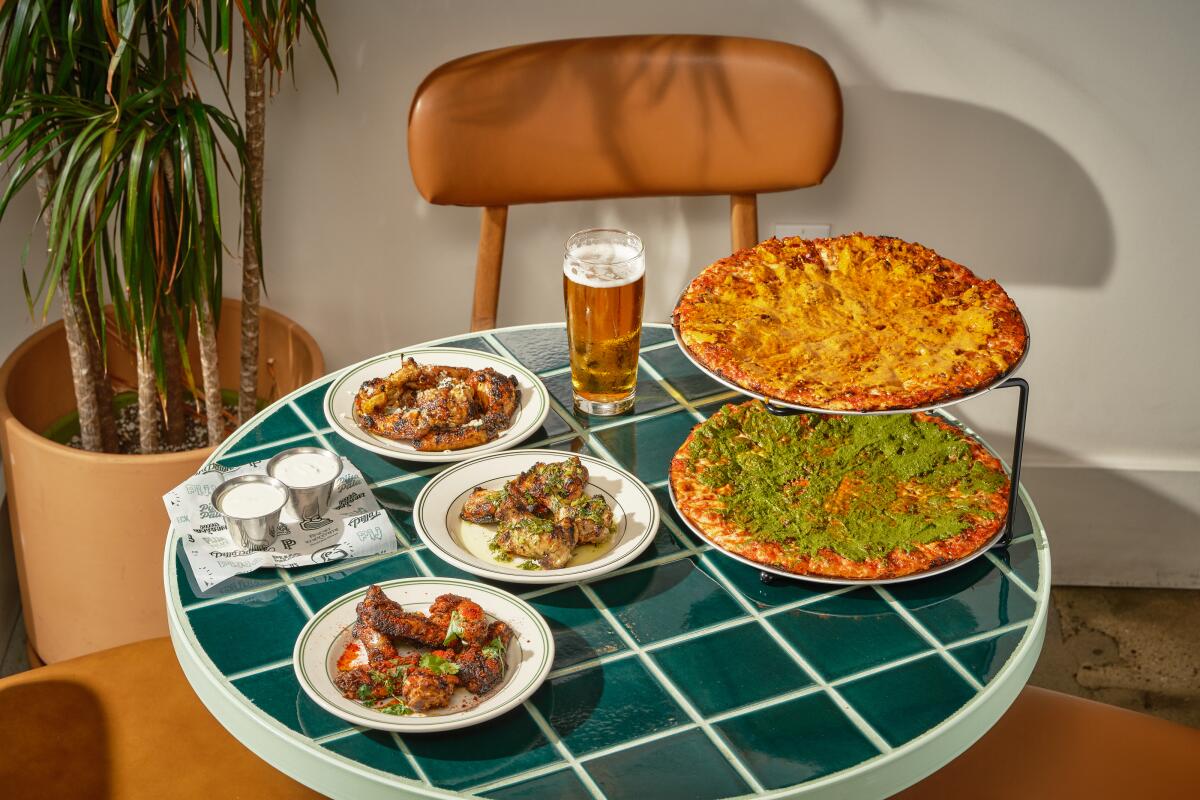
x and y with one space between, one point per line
852 323
704 506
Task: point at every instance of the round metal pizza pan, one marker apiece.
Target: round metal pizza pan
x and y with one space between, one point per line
780 404
916 576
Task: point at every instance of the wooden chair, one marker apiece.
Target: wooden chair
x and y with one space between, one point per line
622 116
1050 745
124 723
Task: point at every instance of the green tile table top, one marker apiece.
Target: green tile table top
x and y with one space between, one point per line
679 675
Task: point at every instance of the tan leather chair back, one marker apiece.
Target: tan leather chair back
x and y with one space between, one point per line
622 116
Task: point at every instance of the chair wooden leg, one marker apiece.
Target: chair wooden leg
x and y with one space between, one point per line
487 267
743 220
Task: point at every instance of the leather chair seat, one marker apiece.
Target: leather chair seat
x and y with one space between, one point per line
1052 745
123 723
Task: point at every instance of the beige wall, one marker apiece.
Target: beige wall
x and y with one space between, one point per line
1050 145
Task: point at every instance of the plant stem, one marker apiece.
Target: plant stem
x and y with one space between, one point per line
147 392
172 380
213 406
92 402
96 354
255 137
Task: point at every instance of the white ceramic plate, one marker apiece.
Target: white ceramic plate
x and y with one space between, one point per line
324 638
339 401
464 545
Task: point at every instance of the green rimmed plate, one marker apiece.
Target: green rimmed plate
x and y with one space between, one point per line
324 638
339 401
464 545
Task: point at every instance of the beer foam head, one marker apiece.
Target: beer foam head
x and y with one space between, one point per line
604 264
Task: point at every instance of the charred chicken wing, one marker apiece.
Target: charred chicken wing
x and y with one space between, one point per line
437 407
425 689
483 506
462 619
379 647
389 618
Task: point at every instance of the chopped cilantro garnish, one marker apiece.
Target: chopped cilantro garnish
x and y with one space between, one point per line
398 709
437 664
364 692
494 649
529 565
455 629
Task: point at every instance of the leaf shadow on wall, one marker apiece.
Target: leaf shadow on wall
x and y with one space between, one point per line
976 184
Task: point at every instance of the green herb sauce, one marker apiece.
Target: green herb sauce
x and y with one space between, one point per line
861 486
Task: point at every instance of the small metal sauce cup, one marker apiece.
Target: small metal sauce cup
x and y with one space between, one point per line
307 502
251 533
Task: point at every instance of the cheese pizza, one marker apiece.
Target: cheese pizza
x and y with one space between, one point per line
853 323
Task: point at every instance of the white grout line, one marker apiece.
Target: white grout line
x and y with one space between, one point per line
553 768
641 740
851 713
993 633
673 690
1012 576
246 673
924 633
779 699
675 394
299 598
412 760
563 750
238 595
333 737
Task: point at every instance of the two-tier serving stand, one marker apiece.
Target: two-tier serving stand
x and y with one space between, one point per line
999 540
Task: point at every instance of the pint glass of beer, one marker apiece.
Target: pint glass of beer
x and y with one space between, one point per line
603 282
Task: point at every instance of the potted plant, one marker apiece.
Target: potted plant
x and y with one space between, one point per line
100 112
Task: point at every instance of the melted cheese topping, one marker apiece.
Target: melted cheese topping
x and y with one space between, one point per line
874 314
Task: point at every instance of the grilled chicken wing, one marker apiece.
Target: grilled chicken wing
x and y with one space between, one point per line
377 681
379 647
543 540
461 616
590 518
483 506
534 489
425 689
437 407
385 615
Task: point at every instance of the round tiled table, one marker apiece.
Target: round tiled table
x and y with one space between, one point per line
680 675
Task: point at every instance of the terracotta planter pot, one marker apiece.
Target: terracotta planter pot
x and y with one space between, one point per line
89 528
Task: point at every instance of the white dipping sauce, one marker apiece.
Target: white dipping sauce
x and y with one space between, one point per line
248 500
303 470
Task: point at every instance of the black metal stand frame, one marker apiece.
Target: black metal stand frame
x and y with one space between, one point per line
1005 539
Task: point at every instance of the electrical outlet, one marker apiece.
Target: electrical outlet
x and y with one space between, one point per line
805 230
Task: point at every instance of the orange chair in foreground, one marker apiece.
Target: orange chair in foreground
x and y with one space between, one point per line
124 723
620 116
1053 746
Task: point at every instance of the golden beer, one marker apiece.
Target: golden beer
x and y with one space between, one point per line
603 288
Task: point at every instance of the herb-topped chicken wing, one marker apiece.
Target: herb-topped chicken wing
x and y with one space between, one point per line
544 541
543 514
535 488
483 506
590 518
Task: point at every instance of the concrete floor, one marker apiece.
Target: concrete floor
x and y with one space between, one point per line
1134 648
